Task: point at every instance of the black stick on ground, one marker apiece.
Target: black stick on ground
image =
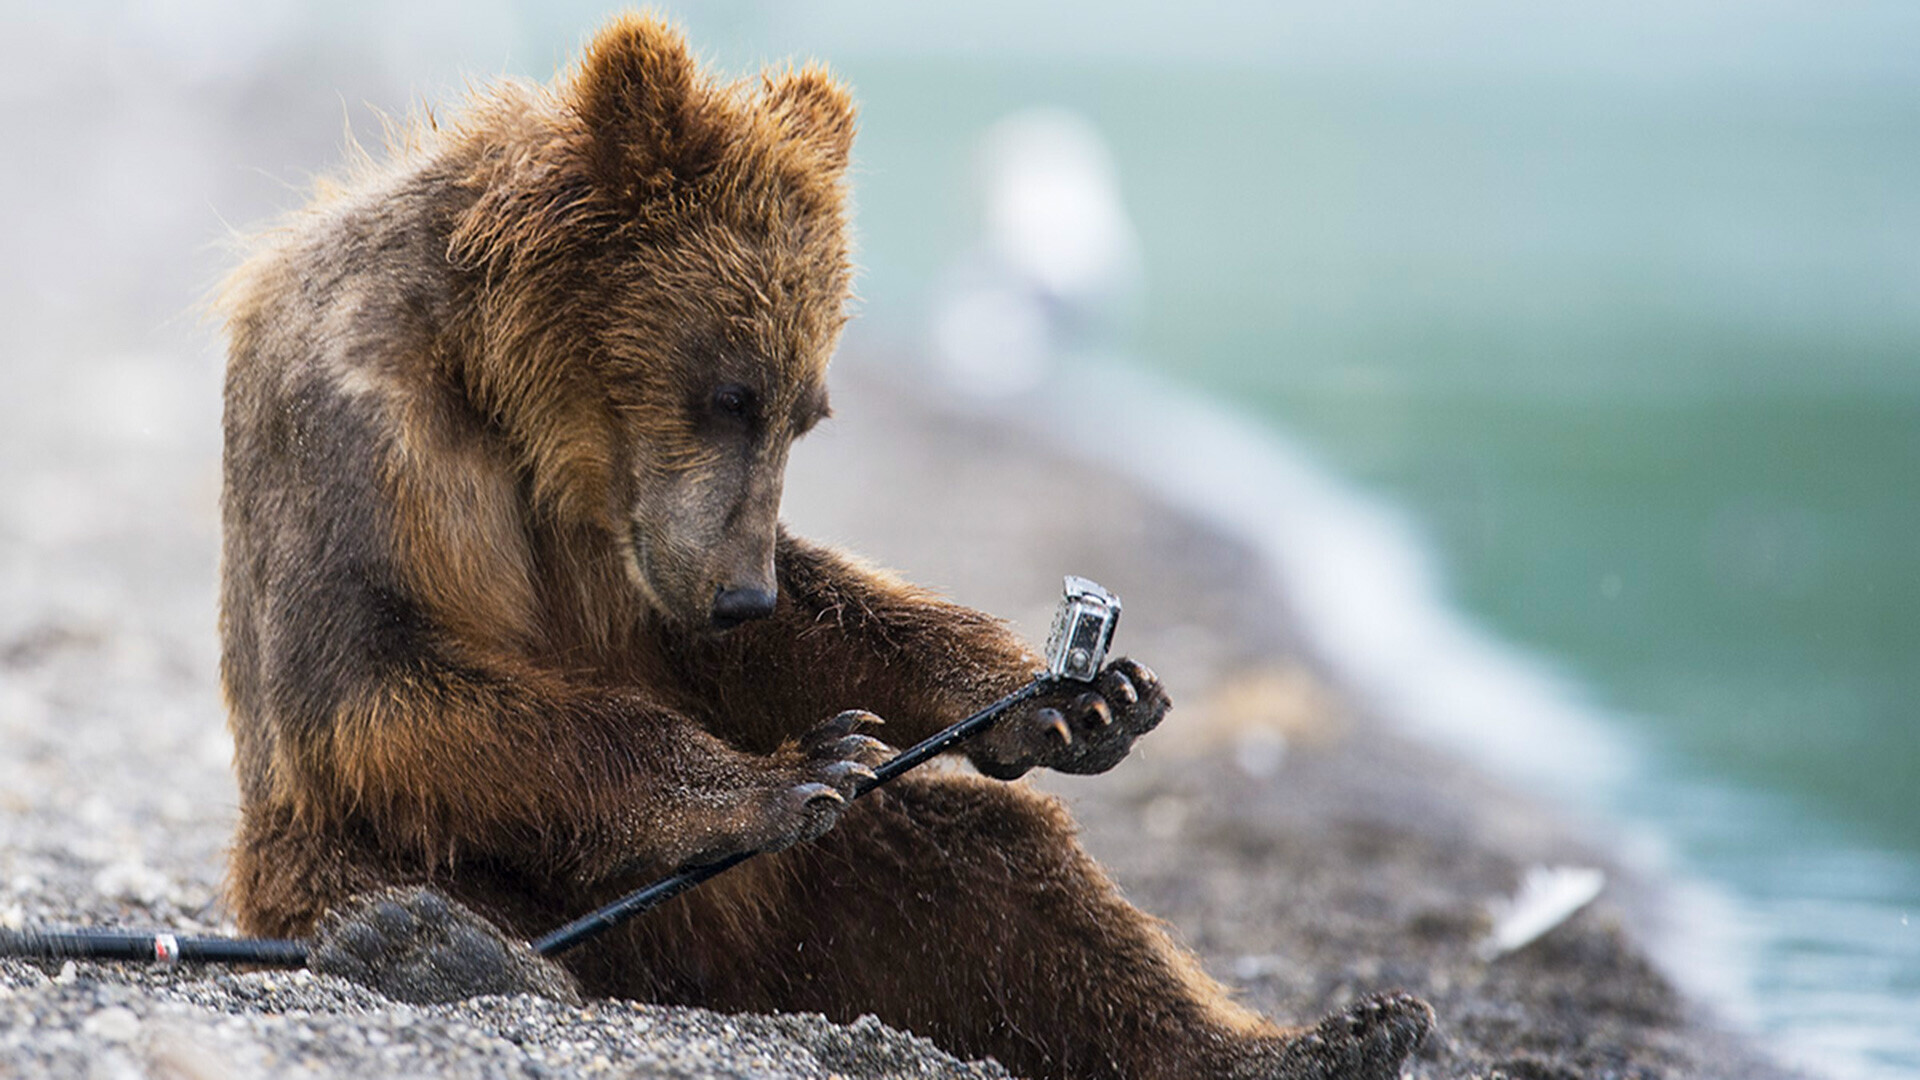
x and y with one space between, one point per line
159 948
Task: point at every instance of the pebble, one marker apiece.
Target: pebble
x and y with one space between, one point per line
134 881
115 1025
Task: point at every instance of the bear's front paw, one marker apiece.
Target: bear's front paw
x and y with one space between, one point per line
415 945
832 763
1077 730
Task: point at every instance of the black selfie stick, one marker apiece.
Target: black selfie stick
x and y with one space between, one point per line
590 926
1082 631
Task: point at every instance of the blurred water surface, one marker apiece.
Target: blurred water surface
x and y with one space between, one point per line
1622 302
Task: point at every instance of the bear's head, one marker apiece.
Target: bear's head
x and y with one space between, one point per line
659 270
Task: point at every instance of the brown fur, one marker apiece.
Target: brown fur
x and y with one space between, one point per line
504 417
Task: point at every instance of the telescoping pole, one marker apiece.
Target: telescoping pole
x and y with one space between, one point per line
592 925
1083 627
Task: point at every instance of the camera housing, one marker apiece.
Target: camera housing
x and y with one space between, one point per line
1083 629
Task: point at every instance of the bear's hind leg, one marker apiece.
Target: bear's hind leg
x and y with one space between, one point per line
963 909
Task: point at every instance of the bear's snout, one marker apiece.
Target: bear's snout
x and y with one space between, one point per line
731 607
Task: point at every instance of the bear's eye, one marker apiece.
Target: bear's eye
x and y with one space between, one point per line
734 400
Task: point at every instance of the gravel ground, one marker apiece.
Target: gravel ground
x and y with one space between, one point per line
1308 855
103 1021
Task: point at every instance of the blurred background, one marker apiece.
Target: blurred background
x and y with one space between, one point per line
1614 307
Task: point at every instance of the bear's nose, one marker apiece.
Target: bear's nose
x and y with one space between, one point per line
731 607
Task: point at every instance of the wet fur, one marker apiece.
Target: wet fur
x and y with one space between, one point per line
476 503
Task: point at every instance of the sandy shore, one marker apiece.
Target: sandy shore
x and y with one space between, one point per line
1305 852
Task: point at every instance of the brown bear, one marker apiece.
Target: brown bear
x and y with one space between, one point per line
508 618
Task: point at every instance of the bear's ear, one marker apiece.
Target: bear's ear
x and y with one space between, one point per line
640 95
815 109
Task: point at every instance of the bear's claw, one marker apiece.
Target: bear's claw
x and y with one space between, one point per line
834 763
862 748
1092 711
